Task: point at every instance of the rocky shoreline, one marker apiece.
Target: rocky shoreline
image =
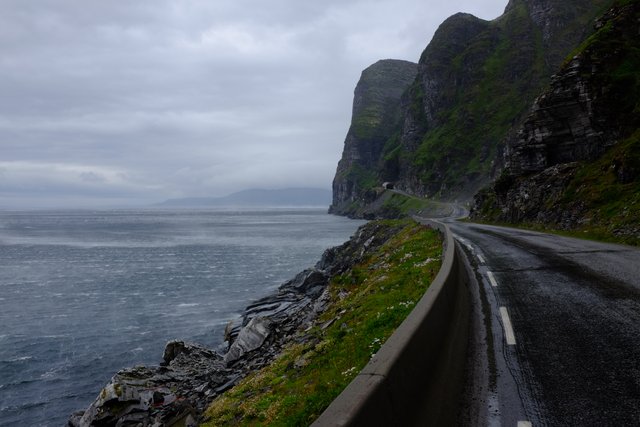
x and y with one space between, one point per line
190 376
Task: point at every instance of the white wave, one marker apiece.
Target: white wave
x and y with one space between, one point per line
20 359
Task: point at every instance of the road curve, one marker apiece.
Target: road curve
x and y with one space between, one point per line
556 329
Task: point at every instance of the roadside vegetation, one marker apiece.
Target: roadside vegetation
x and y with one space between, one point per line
390 204
368 303
608 194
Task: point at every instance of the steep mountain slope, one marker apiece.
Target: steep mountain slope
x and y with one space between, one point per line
376 114
575 163
474 82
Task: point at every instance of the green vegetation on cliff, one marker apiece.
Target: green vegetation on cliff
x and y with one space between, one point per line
609 190
375 118
502 69
585 180
476 82
389 204
366 304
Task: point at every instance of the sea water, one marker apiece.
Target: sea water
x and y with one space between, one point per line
84 294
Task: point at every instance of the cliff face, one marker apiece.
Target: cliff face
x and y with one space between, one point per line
575 162
376 112
474 82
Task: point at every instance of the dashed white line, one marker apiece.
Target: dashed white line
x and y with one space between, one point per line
482 261
508 328
492 279
524 424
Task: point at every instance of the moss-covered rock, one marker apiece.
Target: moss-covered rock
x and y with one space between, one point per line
575 163
475 81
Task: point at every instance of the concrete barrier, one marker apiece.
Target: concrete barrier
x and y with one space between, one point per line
417 376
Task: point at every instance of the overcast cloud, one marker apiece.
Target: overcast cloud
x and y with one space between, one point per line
131 102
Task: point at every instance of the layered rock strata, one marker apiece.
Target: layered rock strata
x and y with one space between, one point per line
474 85
590 106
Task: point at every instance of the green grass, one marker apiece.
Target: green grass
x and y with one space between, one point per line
586 233
367 304
362 177
612 205
398 205
609 205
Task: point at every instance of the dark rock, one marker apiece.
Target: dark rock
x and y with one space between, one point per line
250 338
474 85
567 124
172 350
158 398
590 105
191 376
310 282
156 395
376 105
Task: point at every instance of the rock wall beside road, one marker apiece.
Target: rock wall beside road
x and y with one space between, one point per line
575 162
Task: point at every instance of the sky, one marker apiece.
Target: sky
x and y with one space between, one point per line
118 103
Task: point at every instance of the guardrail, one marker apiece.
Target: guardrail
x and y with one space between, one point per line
417 376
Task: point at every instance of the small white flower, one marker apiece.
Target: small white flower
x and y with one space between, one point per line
349 371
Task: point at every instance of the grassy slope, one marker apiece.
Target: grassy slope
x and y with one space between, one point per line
368 303
391 205
613 201
612 206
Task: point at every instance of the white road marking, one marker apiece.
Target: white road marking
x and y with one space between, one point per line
524 424
482 261
464 242
508 328
492 279
461 239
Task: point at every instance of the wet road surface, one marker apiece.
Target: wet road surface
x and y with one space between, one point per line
556 337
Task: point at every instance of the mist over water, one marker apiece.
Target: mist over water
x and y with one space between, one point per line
84 294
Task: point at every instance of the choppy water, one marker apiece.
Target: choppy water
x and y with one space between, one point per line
84 294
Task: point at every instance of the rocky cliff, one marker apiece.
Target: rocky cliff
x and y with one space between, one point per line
474 82
375 116
575 162
190 376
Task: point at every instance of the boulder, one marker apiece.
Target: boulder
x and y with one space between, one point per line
250 338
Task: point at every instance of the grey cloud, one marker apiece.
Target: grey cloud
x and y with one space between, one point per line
189 98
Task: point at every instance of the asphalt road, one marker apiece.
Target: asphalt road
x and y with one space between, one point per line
556 337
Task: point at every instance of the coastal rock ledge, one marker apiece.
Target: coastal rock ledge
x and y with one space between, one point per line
190 376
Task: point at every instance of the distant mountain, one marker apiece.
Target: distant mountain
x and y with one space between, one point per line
294 197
